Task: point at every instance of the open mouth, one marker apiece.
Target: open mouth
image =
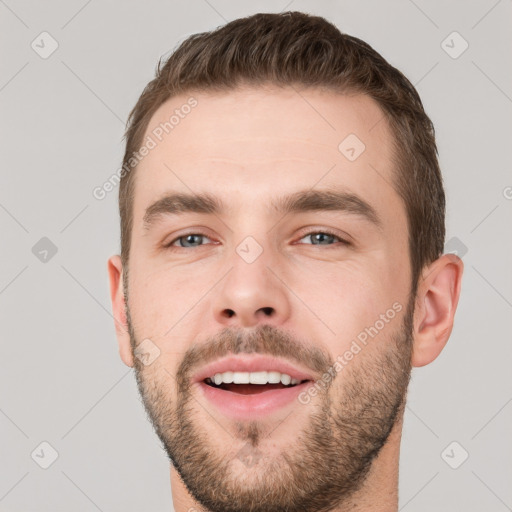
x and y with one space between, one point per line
250 389
248 400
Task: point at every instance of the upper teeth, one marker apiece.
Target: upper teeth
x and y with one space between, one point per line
253 378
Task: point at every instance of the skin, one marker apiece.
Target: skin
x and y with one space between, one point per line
247 147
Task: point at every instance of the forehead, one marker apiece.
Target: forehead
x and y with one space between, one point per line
251 144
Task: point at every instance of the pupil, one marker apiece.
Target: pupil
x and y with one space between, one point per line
320 237
190 239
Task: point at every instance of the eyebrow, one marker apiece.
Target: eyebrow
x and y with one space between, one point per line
296 202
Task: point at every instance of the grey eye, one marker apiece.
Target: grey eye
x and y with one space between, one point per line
321 238
190 240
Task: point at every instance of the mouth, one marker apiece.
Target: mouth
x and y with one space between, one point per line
251 387
252 401
245 369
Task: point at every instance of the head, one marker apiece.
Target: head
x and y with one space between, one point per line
288 203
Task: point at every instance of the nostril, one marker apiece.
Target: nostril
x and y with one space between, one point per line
268 310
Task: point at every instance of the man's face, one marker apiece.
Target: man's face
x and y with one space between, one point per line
325 282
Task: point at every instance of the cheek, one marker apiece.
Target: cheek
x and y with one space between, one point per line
346 295
346 301
151 302
166 302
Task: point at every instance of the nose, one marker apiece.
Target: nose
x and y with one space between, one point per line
251 294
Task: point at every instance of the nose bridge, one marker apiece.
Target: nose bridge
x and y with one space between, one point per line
251 293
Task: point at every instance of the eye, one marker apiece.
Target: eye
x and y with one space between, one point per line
323 238
191 240
188 240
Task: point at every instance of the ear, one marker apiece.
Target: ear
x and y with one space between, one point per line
436 302
115 272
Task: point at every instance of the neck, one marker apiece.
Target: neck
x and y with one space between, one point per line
379 492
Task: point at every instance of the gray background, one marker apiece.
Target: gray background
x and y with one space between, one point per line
62 120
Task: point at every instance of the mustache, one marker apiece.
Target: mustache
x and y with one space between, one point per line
265 340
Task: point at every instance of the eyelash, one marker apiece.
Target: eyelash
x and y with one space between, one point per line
170 246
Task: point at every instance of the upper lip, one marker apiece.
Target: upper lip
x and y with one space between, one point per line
251 364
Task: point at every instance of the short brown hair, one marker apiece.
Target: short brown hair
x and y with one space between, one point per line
294 48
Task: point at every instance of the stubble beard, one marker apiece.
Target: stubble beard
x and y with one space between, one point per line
318 471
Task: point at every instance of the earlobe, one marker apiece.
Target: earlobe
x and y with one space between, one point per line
115 272
437 299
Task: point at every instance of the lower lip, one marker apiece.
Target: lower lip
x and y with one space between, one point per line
258 405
